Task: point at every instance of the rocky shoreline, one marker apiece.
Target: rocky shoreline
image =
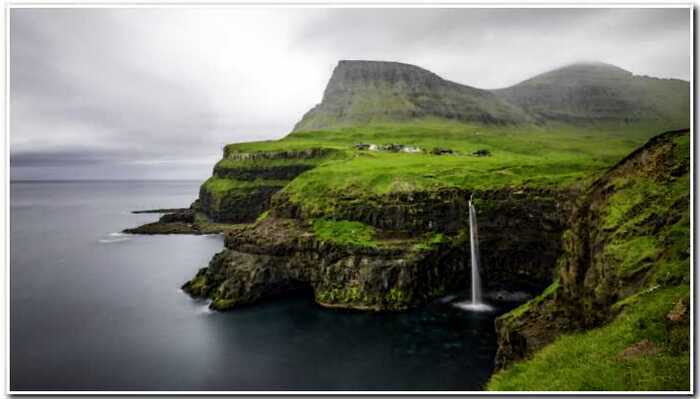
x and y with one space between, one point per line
410 262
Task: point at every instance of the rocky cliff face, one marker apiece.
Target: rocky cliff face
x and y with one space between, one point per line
243 183
277 256
628 236
366 91
420 251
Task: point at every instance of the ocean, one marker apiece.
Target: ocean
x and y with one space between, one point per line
94 309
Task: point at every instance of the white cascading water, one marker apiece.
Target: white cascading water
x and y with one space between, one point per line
476 302
474 247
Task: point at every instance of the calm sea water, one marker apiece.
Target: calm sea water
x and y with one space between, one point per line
94 310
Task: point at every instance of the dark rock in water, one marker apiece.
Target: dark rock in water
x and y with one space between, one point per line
482 153
164 228
161 210
441 151
184 221
183 216
277 256
180 221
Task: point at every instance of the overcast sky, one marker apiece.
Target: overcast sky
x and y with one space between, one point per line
156 93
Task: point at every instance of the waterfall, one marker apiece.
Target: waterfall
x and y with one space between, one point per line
476 303
474 247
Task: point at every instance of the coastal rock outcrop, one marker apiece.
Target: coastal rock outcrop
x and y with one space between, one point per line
419 252
276 256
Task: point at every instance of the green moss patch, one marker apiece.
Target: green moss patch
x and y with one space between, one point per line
221 186
430 241
344 232
633 255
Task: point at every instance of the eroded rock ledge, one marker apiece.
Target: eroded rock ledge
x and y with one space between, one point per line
277 256
417 259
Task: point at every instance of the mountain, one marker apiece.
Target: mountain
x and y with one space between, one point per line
360 92
587 92
365 91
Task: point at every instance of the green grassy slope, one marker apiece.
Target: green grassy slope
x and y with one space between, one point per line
590 360
520 155
643 247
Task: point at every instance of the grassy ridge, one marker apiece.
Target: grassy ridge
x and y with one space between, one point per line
344 232
531 155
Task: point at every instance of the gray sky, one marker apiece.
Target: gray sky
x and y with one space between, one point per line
156 93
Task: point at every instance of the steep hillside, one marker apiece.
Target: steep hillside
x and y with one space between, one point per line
364 92
617 318
360 92
597 92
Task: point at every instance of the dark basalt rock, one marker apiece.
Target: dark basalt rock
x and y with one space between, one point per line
278 256
520 242
520 236
161 210
266 173
237 206
438 210
156 228
184 216
182 221
282 172
307 153
520 230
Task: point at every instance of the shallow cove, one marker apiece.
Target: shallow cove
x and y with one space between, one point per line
94 310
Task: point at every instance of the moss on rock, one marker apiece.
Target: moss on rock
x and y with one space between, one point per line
626 262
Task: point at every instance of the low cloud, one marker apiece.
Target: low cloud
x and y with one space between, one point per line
129 93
